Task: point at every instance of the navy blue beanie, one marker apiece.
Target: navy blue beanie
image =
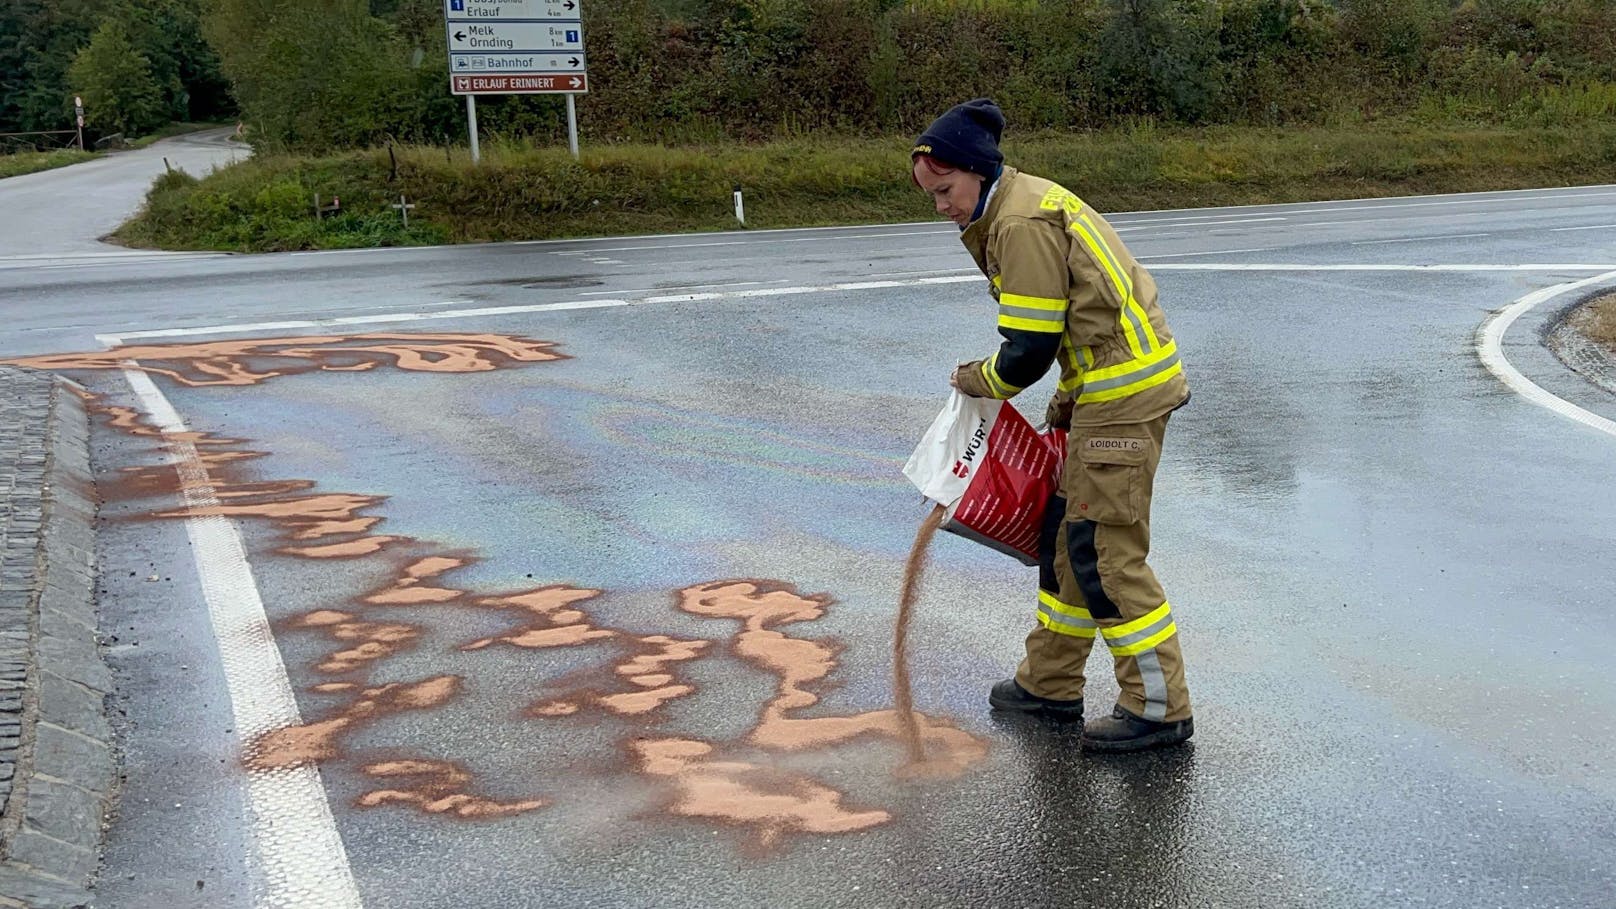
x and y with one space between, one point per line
967 136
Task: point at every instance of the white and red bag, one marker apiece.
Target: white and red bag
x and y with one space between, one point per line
992 471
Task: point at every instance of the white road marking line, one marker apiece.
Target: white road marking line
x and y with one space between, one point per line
300 857
1296 208
1141 225
1215 252
1419 239
882 234
647 290
948 277
1561 230
1490 347
1210 213
1288 266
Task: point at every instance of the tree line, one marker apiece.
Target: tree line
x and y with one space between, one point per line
315 74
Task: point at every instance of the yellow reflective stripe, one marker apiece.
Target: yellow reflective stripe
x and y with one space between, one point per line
1040 325
1059 627
1077 612
1144 322
999 387
997 281
1048 304
1149 643
1134 365
1088 357
1071 377
1139 624
1131 389
1086 229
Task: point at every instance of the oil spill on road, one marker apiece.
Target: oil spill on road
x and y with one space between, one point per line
760 781
249 362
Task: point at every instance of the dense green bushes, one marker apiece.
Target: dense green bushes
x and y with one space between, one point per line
138 64
690 70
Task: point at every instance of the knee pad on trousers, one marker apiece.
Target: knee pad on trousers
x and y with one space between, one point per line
1085 559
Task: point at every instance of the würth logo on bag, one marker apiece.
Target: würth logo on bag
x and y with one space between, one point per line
960 470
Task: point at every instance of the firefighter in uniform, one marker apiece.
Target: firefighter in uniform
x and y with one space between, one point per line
1070 293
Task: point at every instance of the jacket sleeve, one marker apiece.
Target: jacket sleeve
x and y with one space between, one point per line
1032 284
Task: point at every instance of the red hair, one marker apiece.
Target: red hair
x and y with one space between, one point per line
937 167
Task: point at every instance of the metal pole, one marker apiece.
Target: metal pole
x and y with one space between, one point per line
471 126
572 124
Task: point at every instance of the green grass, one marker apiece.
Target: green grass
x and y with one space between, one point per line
32 162
522 193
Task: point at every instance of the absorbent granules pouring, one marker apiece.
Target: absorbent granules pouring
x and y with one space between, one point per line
902 694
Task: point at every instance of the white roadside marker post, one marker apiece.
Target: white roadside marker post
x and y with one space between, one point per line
572 125
740 206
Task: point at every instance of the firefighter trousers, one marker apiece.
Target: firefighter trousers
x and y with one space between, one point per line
1094 580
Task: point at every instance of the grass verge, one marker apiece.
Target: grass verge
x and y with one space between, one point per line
1597 320
33 162
521 193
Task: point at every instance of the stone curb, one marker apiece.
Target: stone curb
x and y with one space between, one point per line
56 758
1531 347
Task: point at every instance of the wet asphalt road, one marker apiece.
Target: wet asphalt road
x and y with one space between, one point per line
1392 575
54 217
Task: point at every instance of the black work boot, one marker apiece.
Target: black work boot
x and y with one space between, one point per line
1122 731
1009 695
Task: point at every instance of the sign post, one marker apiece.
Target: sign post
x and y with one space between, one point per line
517 47
78 114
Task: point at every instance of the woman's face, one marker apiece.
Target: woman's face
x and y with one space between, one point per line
955 193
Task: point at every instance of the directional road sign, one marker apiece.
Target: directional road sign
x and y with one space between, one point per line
515 46
509 10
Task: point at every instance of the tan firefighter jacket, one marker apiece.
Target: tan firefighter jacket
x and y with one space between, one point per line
1069 291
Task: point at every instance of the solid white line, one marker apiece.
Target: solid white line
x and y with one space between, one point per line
945 277
1490 346
1547 194
1561 230
646 290
1287 266
1214 252
300 856
1141 225
907 233
1419 239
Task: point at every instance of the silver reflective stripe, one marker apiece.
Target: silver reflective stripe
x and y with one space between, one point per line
1141 634
1051 316
1138 329
1154 369
1067 621
1155 685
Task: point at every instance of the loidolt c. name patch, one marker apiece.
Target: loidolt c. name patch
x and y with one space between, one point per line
1095 444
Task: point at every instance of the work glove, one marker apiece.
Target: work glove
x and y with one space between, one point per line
968 379
1059 412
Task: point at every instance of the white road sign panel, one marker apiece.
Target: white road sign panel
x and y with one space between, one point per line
516 63
515 37
512 9
515 46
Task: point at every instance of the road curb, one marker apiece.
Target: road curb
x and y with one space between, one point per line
1514 343
56 753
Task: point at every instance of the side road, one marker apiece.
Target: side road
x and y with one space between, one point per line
64 212
57 767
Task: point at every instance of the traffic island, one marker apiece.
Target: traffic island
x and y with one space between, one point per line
57 765
1584 339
